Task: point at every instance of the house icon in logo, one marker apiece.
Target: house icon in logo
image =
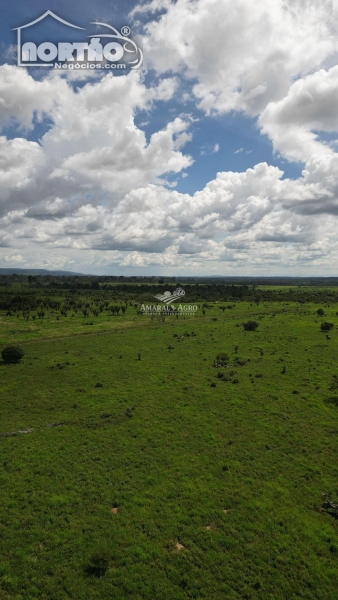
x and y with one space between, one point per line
48 13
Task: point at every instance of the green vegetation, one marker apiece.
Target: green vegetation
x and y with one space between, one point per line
12 354
250 325
168 458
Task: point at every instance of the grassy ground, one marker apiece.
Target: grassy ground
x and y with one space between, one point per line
230 471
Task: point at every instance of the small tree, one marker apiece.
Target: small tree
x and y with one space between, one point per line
250 325
12 354
326 326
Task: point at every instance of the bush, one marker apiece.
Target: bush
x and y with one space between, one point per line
326 326
333 400
98 562
12 354
222 357
250 325
320 312
240 361
334 383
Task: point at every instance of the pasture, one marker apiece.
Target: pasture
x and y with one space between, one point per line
147 472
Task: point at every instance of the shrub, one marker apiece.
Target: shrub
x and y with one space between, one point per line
223 377
334 383
333 400
240 361
222 357
320 312
12 354
98 562
250 325
326 326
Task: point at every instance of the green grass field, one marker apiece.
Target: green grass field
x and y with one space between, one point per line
216 482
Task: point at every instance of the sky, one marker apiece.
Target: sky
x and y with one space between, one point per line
218 156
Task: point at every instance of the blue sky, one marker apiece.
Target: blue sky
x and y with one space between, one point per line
218 156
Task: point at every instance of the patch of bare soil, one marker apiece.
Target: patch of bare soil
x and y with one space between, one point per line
178 547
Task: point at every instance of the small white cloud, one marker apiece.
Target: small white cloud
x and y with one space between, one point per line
239 150
11 52
209 149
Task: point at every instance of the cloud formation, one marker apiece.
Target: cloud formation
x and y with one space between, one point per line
94 190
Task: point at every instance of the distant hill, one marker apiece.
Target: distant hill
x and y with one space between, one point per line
38 272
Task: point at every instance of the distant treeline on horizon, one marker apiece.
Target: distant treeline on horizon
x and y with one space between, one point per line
43 277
